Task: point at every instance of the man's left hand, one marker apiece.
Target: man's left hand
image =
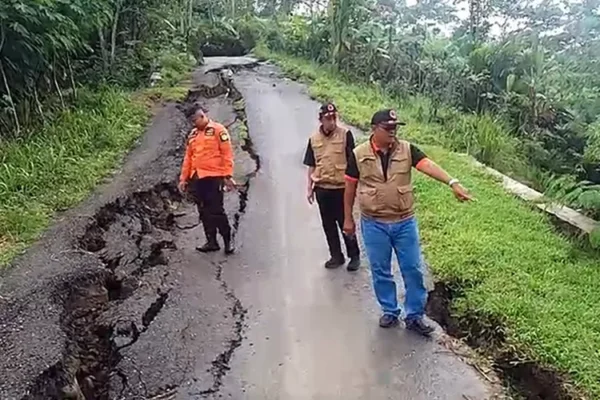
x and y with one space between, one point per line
229 184
461 193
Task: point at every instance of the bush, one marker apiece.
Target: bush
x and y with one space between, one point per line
486 138
222 38
250 30
174 66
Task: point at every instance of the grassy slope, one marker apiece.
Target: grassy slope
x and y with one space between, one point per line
545 290
56 167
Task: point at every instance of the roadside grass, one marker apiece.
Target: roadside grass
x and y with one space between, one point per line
483 137
56 166
542 289
156 95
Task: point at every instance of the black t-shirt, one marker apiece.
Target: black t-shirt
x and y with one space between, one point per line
309 156
352 169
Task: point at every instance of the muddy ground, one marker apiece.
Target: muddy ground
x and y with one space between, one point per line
114 302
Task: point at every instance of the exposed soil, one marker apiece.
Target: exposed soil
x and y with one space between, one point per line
144 316
142 225
487 334
131 237
220 364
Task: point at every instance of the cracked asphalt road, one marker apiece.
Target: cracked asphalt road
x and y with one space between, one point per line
313 332
114 303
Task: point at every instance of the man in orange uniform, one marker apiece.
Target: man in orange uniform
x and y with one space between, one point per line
207 169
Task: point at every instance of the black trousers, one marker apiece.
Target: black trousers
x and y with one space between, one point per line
208 196
331 207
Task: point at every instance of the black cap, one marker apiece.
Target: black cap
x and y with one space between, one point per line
386 117
327 109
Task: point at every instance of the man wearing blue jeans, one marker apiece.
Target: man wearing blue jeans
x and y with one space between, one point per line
380 172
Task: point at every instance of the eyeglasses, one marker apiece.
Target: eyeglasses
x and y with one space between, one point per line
330 117
389 128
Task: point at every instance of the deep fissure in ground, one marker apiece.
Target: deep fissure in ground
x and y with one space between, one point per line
143 222
220 365
488 334
128 237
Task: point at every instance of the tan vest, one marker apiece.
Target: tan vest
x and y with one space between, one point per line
390 200
330 157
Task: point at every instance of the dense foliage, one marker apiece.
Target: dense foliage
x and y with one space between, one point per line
510 70
49 49
514 84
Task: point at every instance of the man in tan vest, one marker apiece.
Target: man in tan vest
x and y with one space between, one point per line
326 155
380 171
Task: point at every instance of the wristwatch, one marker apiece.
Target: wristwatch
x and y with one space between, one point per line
453 182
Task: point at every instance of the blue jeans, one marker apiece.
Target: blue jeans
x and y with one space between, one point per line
380 238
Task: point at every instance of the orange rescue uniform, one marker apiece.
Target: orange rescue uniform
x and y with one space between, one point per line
208 153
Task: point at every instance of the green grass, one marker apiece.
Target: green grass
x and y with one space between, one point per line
539 284
484 137
56 166
157 94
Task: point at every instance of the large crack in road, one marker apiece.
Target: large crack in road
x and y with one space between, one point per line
135 243
115 303
129 236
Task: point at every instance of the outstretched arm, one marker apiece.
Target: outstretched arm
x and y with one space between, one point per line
431 169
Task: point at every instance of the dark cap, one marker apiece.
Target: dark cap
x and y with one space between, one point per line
327 109
386 117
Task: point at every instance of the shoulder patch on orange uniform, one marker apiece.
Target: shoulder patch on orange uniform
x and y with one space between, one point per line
224 136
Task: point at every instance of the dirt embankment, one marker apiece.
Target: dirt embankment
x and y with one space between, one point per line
488 335
114 302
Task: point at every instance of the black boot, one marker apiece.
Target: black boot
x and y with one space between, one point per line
229 245
210 231
209 247
419 326
354 264
227 235
353 252
335 262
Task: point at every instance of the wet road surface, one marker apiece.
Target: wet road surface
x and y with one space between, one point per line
113 302
312 333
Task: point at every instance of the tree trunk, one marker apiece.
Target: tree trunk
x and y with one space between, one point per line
182 17
190 14
103 49
5 81
56 85
113 33
38 104
189 22
72 77
10 99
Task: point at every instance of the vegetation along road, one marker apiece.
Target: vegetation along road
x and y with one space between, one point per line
119 303
102 295
114 302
